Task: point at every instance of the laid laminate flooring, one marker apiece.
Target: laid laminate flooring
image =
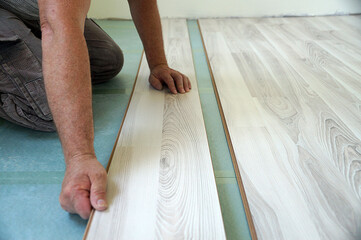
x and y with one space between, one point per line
290 90
161 183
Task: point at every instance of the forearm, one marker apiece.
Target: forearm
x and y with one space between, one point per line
146 18
66 71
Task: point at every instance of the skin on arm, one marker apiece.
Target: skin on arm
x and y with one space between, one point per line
146 18
66 72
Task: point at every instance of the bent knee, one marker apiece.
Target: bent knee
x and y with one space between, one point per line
18 111
106 61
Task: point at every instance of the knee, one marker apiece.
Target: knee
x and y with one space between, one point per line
11 26
106 63
117 60
13 109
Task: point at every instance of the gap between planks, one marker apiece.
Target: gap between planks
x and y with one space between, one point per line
231 149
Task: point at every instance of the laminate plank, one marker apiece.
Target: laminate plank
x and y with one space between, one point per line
349 77
351 23
300 109
160 182
336 27
301 167
319 106
309 29
340 31
308 63
330 204
227 69
343 54
307 108
347 35
318 29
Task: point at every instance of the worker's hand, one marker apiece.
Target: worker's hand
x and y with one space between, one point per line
176 81
84 186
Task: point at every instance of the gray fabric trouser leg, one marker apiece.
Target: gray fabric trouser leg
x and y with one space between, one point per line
22 94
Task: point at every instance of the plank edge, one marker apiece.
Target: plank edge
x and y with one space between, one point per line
115 144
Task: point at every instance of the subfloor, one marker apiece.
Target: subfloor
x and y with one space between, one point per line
32 167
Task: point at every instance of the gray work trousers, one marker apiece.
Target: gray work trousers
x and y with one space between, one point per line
22 94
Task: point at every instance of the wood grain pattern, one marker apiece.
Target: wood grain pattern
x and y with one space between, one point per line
330 58
160 182
301 163
309 63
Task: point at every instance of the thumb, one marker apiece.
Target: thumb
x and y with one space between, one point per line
98 191
155 82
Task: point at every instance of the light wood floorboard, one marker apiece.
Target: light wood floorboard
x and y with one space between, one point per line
161 180
300 158
309 63
344 67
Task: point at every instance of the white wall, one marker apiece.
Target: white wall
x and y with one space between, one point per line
229 8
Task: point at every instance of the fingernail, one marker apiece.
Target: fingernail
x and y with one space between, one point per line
101 203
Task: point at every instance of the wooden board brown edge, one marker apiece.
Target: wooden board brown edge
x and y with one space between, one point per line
230 145
205 130
115 144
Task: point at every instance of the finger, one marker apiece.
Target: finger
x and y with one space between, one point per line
81 204
154 82
189 83
170 83
186 83
66 198
65 203
179 81
98 191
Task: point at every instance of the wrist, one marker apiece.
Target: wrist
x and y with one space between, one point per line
80 157
78 149
160 64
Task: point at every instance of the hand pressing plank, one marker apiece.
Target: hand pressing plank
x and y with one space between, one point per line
176 81
84 186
